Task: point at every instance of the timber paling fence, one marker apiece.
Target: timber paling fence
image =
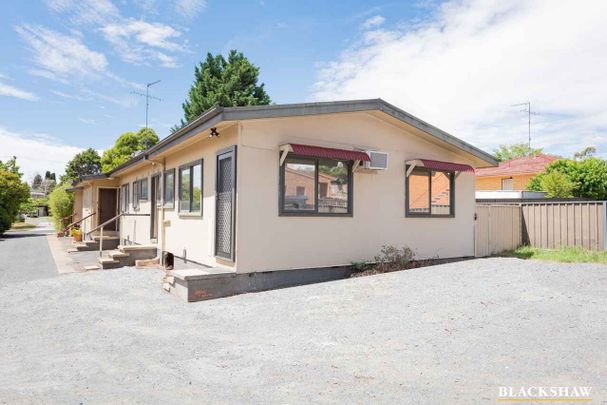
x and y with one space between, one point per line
548 225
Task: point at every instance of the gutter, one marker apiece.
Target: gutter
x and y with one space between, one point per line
217 114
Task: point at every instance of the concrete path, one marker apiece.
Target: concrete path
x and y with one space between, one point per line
448 334
25 255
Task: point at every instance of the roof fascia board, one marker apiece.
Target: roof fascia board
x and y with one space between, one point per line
193 131
186 131
216 115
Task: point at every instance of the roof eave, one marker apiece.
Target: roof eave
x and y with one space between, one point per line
216 115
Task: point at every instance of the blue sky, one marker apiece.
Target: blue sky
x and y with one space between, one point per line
69 67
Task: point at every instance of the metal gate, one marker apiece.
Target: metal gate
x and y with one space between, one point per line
497 228
225 203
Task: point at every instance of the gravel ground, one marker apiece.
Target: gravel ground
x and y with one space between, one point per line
25 254
446 334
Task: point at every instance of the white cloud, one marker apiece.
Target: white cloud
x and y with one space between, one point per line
87 121
135 40
10 91
190 8
140 42
35 153
86 11
464 68
61 56
373 22
86 94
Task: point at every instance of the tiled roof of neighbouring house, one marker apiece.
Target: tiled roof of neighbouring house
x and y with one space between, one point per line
523 165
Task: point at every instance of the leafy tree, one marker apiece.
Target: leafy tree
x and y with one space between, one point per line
588 176
13 193
28 206
557 185
340 172
585 153
127 144
11 166
36 182
226 83
49 176
508 152
82 164
60 203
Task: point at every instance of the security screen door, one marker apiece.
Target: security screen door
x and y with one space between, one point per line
225 205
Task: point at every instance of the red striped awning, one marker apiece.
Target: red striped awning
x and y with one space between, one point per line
438 165
328 153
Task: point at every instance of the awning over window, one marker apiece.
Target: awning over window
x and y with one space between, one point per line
327 153
438 165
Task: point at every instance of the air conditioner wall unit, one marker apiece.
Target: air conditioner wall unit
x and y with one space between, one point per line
379 160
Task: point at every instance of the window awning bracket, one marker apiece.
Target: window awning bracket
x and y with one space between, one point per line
412 164
284 151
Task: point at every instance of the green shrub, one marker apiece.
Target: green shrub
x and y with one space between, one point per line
557 185
60 203
392 258
13 193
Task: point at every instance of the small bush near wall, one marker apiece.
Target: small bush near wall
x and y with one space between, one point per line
60 203
390 258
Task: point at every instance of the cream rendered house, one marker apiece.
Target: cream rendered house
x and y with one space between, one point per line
285 187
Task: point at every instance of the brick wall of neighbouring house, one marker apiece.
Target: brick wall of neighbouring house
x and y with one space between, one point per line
519 182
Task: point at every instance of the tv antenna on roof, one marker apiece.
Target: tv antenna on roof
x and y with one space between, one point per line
147 98
527 109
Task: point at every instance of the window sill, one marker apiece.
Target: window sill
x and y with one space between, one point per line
314 214
428 216
190 214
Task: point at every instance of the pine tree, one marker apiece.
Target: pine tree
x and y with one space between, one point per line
226 83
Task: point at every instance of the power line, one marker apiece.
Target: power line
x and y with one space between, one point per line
147 98
529 114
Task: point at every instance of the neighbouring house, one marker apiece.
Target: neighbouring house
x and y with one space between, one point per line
512 175
293 187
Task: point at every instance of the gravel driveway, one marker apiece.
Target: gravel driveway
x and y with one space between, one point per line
445 334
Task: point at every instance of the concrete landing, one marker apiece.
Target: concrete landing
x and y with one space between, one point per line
203 284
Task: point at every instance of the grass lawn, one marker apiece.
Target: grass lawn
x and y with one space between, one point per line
565 255
22 225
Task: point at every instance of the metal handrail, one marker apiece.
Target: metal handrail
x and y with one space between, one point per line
77 222
101 226
105 223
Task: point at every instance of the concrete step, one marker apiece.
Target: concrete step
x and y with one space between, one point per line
109 243
108 263
117 254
